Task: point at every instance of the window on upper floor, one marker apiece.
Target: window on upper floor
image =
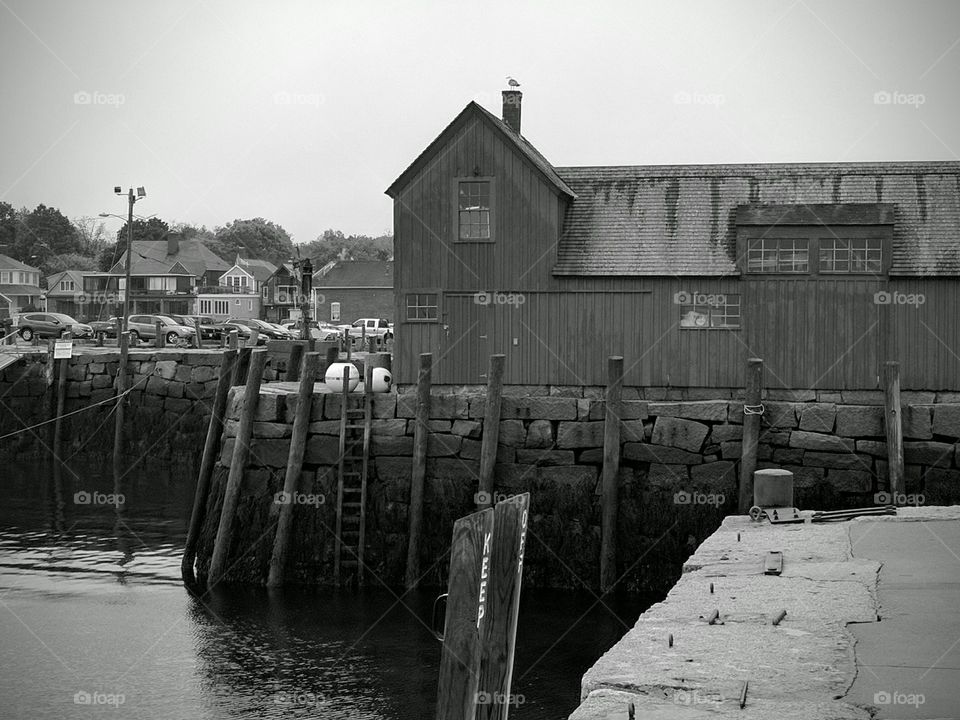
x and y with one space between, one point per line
422 307
473 210
778 255
851 255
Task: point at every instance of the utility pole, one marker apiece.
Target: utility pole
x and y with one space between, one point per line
131 200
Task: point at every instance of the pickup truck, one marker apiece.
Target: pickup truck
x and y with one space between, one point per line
370 327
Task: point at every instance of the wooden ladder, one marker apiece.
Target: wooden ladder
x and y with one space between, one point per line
356 413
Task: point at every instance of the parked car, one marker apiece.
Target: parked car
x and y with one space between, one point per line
243 331
264 328
208 326
318 330
371 327
107 327
145 327
49 325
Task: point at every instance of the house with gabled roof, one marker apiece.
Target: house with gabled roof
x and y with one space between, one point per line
165 277
65 293
824 270
346 290
19 286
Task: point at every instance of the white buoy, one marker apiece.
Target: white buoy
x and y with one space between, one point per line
381 380
334 377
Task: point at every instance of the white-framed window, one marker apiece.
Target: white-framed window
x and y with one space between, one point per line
473 209
778 255
335 312
67 285
705 311
4 277
851 255
205 307
221 307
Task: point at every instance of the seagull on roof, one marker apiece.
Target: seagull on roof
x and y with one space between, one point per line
511 82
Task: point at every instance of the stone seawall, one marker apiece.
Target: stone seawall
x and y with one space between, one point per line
678 478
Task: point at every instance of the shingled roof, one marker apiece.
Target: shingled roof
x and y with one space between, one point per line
355 274
150 257
680 219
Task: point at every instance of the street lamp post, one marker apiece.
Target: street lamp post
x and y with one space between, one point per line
306 290
131 200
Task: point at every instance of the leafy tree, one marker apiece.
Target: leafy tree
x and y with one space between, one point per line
92 234
334 244
71 261
256 238
207 237
44 233
8 228
150 229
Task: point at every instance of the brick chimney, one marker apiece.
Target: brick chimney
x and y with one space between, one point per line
173 243
511 109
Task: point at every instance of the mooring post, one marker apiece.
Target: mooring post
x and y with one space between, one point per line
242 366
752 412
333 354
294 360
893 423
159 340
238 463
196 328
609 500
233 339
254 337
420 436
211 449
491 430
123 340
348 343
298 445
62 364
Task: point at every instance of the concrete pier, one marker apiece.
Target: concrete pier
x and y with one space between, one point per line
872 627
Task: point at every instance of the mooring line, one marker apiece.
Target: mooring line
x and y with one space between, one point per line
74 412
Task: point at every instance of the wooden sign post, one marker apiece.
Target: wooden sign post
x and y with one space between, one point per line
486 567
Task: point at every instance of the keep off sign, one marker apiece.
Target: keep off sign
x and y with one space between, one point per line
62 349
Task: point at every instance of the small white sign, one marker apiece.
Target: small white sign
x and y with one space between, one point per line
62 349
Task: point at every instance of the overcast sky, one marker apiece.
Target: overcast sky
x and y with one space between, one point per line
304 112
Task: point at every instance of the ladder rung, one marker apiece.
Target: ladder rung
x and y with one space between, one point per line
354 412
352 489
355 427
350 504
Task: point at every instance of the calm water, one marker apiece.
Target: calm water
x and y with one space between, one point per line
91 608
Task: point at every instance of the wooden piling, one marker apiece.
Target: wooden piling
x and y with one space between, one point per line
211 449
62 365
611 470
242 366
159 341
196 327
254 337
332 356
893 423
238 463
233 339
298 444
420 437
294 360
751 432
123 340
491 430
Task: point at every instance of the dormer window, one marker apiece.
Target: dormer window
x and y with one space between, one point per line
473 220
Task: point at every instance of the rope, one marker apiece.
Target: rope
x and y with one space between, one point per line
753 409
7 337
74 412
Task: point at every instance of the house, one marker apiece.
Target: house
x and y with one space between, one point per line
345 290
280 294
19 287
239 291
166 276
823 270
65 293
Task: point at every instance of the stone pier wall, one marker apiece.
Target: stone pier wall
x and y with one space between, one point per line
680 461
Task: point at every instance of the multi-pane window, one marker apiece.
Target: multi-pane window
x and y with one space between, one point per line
701 311
422 306
66 285
4 278
474 209
851 255
778 255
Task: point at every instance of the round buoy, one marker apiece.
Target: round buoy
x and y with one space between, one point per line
334 376
381 380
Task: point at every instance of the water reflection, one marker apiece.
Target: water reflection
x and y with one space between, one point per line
91 602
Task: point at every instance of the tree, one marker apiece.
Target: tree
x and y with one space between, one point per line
92 234
207 237
71 261
256 238
8 228
150 229
45 233
333 244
